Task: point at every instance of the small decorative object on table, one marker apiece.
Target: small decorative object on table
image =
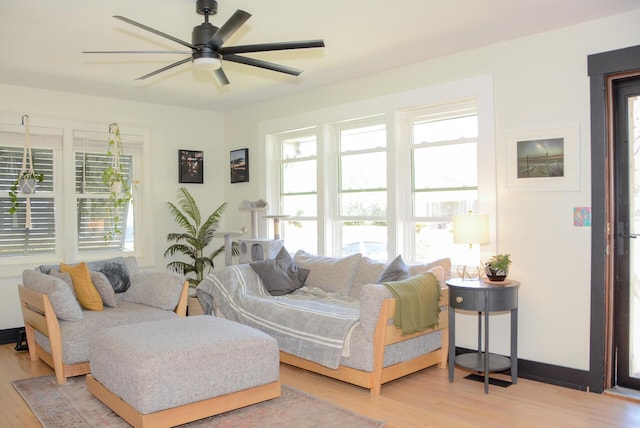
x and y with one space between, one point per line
497 267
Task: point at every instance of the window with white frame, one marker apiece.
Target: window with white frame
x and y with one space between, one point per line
97 219
69 210
375 187
298 166
361 219
41 237
444 178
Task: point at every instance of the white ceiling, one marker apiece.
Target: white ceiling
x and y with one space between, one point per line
43 40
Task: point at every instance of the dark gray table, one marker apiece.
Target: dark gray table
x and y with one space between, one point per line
483 297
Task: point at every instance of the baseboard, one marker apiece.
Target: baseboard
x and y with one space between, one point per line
10 335
548 373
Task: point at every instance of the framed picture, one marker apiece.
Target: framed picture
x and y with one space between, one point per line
239 165
191 165
547 160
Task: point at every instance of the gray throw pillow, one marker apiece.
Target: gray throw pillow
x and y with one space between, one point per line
281 275
397 270
64 303
104 288
66 278
115 269
157 289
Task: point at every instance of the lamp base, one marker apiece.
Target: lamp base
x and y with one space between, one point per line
470 273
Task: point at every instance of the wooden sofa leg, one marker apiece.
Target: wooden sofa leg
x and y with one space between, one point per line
444 349
31 342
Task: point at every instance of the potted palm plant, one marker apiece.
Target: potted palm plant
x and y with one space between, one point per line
194 239
497 267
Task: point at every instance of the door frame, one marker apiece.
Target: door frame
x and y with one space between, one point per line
604 69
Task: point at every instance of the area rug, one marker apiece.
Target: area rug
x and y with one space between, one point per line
71 405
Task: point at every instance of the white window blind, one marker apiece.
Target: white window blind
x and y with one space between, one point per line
96 216
41 238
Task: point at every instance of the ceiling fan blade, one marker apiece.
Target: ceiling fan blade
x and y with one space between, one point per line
262 64
228 28
175 64
154 31
138 52
221 76
277 46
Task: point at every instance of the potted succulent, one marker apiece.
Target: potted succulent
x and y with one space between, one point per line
497 267
193 241
115 178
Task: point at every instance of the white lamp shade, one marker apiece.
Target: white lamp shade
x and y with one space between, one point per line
471 229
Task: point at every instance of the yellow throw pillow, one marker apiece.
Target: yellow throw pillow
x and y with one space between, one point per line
86 292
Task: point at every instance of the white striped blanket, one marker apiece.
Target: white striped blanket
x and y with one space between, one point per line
309 323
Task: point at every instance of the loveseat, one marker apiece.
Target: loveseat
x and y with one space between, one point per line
339 322
58 326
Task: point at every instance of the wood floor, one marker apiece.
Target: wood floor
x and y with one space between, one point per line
424 399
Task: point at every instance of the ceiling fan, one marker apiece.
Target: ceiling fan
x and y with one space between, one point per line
206 47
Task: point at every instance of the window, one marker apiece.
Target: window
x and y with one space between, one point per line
96 218
388 183
444 179
70 210
41 237
362 188
298 162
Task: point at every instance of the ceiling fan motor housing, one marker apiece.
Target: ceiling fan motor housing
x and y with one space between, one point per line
200 35
207 7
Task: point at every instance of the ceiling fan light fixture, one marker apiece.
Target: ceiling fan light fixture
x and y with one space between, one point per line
206 64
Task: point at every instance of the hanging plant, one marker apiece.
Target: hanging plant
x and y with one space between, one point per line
27 179
114 177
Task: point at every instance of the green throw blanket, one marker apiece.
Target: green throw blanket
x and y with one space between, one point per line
417 306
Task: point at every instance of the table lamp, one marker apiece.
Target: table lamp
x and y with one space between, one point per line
470 229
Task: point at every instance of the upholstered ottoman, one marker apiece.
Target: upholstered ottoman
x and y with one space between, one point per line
170 372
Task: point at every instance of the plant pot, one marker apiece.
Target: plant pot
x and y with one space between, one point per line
27 185
494 274
116 187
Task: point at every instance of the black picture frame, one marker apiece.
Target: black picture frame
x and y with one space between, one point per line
239 165
191 164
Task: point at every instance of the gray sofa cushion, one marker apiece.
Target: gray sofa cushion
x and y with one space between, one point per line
157 289
62 299
332 274
281 275
76 335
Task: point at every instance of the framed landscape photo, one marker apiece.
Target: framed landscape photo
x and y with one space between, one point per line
546 160
191 164
239 165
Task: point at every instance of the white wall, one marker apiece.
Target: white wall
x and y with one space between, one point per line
171 129
540 83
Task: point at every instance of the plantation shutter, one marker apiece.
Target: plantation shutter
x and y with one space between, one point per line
95 220
41 238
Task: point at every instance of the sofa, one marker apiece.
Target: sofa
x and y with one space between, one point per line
338 317
63 306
